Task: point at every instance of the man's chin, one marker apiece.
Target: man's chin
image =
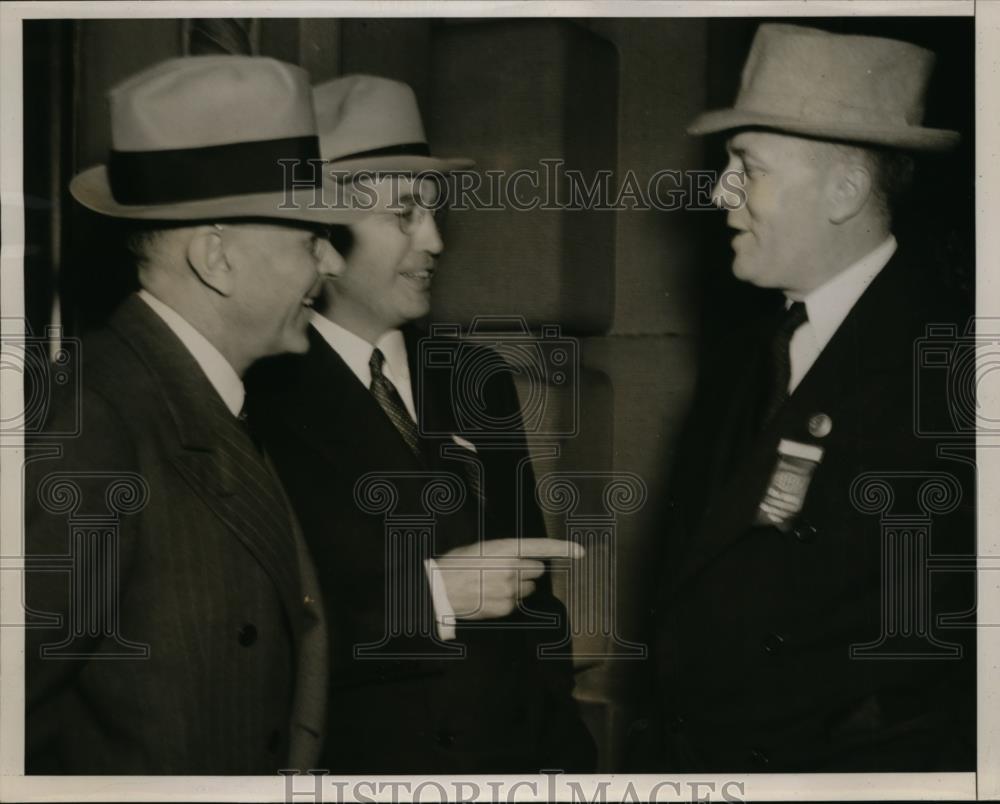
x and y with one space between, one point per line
740 269
747 272
416 311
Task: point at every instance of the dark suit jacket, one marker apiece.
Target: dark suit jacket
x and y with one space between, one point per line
755 625
212 576
497 708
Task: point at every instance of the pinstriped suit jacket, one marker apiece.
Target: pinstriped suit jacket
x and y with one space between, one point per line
213 576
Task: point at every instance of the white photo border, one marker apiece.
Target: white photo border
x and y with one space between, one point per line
14 786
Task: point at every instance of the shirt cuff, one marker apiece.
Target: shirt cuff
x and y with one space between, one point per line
444 614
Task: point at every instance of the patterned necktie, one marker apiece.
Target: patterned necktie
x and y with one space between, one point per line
389 400
781 364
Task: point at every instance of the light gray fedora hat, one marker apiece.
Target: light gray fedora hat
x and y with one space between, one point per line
862 89
205 137
370 123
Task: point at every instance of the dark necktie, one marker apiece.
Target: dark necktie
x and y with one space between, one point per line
781 366
389 400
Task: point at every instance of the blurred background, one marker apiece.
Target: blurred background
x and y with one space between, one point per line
639 291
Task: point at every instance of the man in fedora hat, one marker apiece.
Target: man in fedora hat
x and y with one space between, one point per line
797 626
412 689
184 634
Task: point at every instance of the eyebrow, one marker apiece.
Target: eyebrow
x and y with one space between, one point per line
410 198
745 156
400 202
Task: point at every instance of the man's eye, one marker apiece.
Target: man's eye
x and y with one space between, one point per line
410 218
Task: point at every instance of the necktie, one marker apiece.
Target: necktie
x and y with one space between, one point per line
388 398
781 365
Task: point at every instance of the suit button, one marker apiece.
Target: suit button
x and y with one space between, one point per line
676 723
773 644
445 739
247 634
759 758
805 532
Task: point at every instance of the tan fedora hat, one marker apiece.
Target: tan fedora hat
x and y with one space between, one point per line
369 123
841 87
209 137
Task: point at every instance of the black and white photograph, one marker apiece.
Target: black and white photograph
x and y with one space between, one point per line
499 402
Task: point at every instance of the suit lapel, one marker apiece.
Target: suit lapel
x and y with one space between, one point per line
434 406
426 401
830 380
214 453
346 414
347 425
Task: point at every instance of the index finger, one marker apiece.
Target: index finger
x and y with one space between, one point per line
537 548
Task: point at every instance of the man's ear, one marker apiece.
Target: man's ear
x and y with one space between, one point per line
206 254
850 190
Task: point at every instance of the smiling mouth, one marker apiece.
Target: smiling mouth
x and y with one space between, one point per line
309 300
419 278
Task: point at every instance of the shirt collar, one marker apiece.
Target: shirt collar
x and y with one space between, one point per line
217 369
829 304
355 351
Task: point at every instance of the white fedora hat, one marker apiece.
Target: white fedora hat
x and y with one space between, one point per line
862 89
209 137
369 123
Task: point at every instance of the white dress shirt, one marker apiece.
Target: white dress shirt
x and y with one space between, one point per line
220 373
828 305
356 352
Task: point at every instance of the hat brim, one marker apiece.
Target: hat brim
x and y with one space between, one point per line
303 205
396 164
914 138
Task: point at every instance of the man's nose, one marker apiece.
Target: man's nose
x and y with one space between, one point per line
717 192
327 259
428 236
728 188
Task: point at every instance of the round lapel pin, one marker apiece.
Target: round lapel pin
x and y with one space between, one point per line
820 425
